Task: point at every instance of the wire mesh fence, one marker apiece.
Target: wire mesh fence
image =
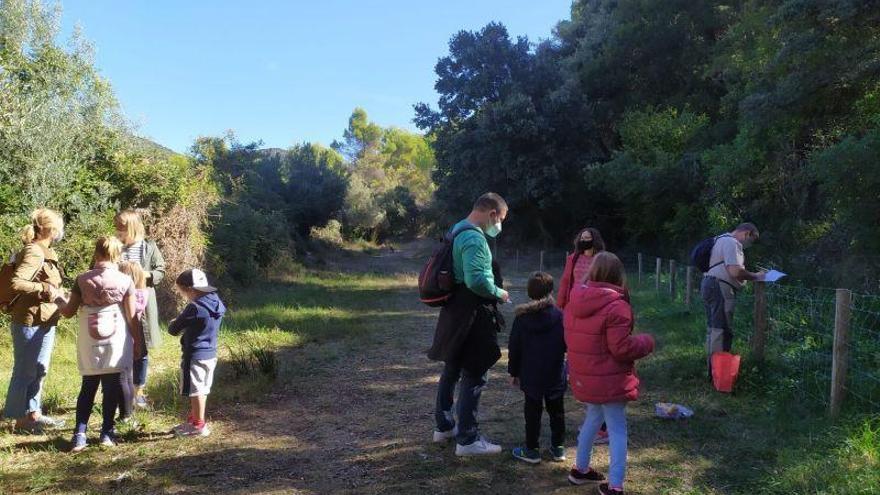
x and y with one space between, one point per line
863 385
791 335
797 328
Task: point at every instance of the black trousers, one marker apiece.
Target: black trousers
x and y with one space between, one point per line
533 409
111 384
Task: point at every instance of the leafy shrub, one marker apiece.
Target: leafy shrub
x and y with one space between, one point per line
362 213
330 233
315 186
64 144
245 242
401 212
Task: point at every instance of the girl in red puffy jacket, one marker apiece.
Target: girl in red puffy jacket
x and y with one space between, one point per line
601 353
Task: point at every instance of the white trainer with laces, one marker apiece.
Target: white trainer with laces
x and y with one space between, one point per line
480 447
445 436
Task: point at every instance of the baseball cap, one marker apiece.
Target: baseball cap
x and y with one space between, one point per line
195 279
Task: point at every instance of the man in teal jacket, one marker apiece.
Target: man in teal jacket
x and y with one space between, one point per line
466 336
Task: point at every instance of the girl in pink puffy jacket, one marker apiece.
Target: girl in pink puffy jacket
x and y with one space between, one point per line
602 351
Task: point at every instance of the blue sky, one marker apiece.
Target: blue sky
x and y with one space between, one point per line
281 71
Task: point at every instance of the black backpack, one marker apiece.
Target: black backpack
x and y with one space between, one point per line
437 278
701 254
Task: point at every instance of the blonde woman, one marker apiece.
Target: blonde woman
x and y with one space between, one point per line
137 249
105 298
36 284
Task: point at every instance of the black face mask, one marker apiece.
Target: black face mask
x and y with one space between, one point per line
584 245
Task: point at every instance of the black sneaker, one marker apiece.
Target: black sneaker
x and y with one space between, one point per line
576 477
604 489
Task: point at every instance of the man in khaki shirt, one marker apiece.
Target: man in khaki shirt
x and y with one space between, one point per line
725 277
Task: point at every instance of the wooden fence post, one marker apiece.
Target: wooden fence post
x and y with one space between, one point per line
760 313
689 285
672 275
541 266
640 269
658 271
840 357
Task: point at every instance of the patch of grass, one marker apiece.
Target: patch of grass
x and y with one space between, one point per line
843 462
764 438
301 308
255 353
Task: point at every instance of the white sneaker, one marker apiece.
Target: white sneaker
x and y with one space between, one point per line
445 436
480 447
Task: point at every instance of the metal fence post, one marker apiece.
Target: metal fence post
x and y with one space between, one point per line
541 265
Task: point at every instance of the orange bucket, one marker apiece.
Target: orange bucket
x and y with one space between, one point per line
725 369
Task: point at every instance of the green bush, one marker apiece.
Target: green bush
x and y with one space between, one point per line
64 145
245 242
330 234
401 212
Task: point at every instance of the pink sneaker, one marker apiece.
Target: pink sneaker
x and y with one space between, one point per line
190 430
601 438
182 426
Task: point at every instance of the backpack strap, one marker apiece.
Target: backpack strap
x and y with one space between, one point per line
452 235
710 252
33 277
42 263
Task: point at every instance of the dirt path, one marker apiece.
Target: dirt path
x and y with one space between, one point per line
358 421
356 417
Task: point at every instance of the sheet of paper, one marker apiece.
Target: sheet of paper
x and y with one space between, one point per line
773 276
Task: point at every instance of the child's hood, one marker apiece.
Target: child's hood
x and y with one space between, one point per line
211 303
539 316
535 306
594 297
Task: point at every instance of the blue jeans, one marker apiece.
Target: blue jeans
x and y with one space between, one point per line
140 371
32 351
614 415
469 392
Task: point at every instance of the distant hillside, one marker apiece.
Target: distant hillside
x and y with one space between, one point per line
153 147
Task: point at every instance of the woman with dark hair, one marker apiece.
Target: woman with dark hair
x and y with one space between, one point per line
587 243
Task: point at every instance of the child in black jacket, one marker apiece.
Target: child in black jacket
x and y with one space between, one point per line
536 363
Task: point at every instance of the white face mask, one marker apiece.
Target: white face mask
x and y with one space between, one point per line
494 230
